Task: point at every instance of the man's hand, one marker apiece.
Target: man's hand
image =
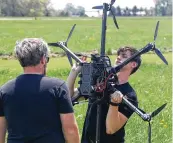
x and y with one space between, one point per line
116 97
76 67
75 70
115 120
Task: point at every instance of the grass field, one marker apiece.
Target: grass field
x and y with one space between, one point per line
153 82
87 34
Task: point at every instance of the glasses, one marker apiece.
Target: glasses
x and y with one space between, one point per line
47 59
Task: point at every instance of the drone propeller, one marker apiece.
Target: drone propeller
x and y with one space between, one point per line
145 116
98 7
65 43
112 2
157 111
149 132
101 6
157 51
69 36
153 114
114 19
156 31
110 8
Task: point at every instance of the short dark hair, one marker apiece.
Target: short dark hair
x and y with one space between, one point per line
132 51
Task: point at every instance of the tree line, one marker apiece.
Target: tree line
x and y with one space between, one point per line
36 8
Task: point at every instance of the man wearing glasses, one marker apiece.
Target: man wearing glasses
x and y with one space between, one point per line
35 108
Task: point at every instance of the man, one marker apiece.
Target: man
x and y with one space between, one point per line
114 113
35 108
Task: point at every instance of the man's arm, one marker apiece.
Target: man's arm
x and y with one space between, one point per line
71 81
65 108
70 128
115 120
74 93
3 127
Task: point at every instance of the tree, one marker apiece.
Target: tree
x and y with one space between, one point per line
35 8
70 8
134 10
163 7
47 7
147 12
118 11
25 7
141 9
151 11
80 11
127 11
0 7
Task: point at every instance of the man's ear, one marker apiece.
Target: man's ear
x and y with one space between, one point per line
43 60
134 64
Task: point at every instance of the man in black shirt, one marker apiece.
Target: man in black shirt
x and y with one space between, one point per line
113 118
35 108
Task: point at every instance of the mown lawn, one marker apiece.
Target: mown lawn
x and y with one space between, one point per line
152 84
153 81
87 34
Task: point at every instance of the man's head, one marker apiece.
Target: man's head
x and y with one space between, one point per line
32 52
124 53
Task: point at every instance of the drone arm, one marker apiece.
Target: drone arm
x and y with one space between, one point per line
135 109
77 59
103 35
146 49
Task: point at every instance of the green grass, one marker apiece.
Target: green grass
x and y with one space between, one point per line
152 82
87 34
153 86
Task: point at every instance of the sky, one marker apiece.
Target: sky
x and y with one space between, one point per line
88 4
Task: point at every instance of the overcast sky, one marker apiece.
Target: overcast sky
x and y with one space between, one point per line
60 4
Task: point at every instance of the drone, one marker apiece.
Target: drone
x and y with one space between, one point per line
149 47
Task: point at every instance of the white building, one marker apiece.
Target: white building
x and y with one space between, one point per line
93 13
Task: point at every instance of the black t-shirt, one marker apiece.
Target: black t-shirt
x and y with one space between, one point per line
89 130
32 104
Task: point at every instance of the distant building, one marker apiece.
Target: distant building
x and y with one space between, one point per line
141 13
93 13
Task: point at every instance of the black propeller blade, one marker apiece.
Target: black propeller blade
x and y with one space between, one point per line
112 2
157 51
156 31
69 36
101 7
148 118
65 43
157 111
153 114
149 132
114 19
98 7
113 15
